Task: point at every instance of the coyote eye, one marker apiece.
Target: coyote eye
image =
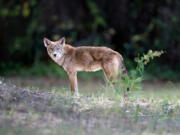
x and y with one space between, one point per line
51 49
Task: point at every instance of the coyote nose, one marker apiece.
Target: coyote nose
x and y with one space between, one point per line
54 55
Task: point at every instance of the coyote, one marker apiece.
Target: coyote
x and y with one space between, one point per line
85 58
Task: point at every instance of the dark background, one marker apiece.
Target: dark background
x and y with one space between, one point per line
131 27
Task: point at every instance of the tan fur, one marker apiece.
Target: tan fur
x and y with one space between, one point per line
89 59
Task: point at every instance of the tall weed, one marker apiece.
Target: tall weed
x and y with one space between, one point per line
134 80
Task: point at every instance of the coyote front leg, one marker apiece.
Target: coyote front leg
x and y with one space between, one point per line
73 81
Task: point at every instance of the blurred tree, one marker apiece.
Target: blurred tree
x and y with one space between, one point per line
128 26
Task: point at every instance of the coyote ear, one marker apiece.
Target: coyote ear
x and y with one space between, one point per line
62 41
47 42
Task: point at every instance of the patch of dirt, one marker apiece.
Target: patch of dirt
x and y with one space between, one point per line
18 105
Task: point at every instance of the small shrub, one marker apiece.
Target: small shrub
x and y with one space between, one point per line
134 79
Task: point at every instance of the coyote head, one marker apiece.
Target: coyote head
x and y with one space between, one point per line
55 49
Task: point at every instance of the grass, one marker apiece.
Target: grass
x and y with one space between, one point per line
39 106
99 110
41 69
51 69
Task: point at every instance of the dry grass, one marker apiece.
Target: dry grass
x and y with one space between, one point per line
53 111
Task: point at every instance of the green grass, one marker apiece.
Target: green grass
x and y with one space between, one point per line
153 111
51 69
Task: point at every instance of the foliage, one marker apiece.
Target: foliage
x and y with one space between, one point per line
129 27
145 59
134 79
98 20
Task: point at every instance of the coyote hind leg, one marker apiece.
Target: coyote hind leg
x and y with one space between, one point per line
110 72
112 75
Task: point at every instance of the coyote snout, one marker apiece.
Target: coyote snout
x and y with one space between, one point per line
84 58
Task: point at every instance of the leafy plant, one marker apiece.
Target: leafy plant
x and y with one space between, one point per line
98 20
134 79
145 59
